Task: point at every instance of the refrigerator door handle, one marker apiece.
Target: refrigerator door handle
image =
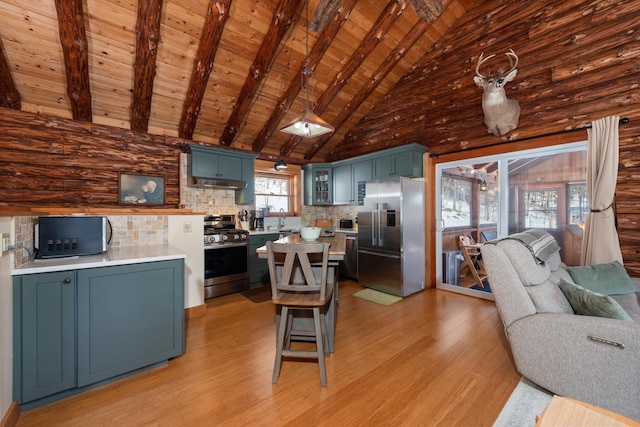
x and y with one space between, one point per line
380 254
382 213
373 228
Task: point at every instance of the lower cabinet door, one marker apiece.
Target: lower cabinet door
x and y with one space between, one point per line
45 356
129 317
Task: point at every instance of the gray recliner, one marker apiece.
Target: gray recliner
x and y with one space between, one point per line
592 359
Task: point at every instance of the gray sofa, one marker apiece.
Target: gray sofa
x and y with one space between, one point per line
592 359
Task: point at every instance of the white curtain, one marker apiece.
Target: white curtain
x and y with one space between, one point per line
600 243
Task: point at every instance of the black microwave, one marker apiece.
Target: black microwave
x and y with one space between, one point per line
60 236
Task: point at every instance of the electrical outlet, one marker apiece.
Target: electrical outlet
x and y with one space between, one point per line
4 244
186 227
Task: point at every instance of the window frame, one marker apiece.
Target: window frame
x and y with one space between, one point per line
293 175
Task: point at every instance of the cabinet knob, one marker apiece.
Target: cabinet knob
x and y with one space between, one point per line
66 281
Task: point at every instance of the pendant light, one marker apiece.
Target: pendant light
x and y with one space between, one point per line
308 124
280 164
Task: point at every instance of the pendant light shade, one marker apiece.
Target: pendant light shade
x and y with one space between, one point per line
308 124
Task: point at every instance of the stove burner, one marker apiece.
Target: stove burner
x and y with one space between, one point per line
220 229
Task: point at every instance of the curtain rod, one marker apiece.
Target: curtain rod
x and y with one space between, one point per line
622 121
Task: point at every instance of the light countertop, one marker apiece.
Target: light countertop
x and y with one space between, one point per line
121 255
297 230
337 250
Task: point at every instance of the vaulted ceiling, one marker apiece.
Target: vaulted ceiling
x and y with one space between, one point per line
225 72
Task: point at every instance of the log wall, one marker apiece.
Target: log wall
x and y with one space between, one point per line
579 61
56 162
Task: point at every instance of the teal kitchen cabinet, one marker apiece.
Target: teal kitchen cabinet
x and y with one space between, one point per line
402 162
345 180
318 184
247 196
258 268
44 335
129 317
212 163
80 327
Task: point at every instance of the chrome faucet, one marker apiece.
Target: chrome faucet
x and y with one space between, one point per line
281 218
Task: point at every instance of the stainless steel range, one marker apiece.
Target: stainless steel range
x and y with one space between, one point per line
226 256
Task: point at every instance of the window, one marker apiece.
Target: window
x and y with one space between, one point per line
489 205
456 202
276 191
578 203
540 208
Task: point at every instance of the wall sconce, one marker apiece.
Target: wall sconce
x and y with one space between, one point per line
483 185
280 164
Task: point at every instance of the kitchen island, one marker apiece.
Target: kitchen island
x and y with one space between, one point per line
337 249
84 321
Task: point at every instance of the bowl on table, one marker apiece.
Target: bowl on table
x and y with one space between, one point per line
309 234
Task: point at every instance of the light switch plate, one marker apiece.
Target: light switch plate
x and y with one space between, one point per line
186 227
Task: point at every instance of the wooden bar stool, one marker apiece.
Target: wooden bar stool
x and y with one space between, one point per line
296 284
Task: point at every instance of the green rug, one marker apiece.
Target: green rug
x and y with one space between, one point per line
377 297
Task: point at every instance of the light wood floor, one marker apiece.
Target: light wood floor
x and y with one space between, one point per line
435 358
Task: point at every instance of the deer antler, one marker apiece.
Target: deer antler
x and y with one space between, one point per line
512 55
482 60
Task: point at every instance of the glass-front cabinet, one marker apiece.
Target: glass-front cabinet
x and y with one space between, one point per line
318 184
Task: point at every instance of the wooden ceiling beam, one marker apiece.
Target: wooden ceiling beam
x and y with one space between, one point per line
144 67
280 24
10 97
323 14
75 49
316 53
377 77
376 34
428 10
217 15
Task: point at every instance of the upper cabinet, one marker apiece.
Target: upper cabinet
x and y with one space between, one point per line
247 196
219 168
318 184
406 160
404 163
217 164
346 178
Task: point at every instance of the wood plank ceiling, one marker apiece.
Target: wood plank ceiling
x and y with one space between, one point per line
222 72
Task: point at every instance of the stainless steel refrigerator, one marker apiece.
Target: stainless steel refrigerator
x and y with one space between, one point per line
391 236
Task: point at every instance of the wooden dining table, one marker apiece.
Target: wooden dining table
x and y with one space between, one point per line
337 249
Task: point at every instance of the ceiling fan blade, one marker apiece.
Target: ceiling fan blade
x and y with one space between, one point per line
323 14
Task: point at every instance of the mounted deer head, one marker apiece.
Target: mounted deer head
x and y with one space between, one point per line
501 114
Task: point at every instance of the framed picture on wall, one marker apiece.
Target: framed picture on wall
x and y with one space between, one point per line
140 189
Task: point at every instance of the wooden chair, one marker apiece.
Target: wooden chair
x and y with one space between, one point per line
472 263
298 283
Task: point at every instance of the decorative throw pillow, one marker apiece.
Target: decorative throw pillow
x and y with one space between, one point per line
590 303
606 279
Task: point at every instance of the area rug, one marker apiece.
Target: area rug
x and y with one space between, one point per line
527 402
258 294
377 297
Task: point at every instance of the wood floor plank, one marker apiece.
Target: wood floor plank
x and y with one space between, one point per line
433 359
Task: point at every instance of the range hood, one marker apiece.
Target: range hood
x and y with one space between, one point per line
200 182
